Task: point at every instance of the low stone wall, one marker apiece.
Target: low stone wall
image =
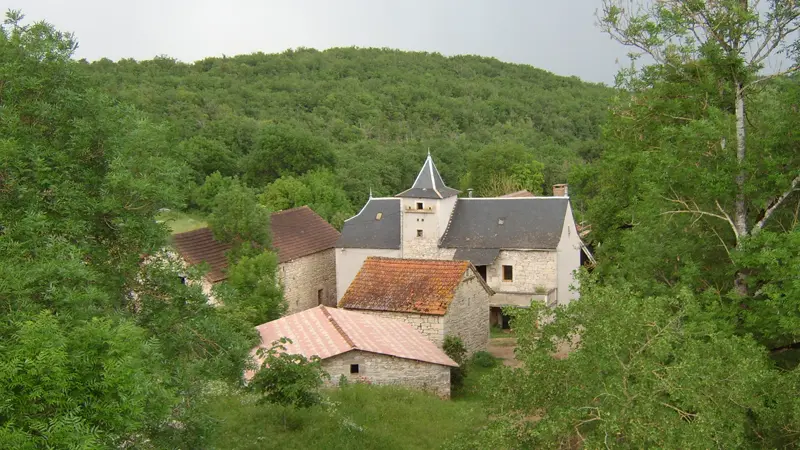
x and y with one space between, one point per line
382 369
303 278
430 326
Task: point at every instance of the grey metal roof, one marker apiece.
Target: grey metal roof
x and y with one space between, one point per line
428 184
366 230
477 256
527 223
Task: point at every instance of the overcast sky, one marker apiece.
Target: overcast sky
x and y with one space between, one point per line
556 35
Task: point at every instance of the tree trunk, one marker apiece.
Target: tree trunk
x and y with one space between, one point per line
740 214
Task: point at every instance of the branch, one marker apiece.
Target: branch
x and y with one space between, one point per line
775 204
695 210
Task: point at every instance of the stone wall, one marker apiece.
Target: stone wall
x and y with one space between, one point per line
432 220
532 270
468 314
429 325
384 369
303 278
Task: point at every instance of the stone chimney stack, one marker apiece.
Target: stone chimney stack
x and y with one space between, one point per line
469 192
560 190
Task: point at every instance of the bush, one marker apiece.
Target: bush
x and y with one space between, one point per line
484 359
455 349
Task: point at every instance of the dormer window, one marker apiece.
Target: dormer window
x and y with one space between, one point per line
379 216
419 205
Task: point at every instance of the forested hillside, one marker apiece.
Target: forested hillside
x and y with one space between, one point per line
367 115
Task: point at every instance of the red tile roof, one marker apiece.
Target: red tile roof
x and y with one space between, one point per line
301 232
327 332
406 285
522 193
199 246
296 233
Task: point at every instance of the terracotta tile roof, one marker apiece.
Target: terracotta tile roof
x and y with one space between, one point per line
199 246
327 332
300 232
522 193
296 233
405 285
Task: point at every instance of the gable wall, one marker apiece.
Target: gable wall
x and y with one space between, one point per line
468 314
303 277
384 369
349 262
569 259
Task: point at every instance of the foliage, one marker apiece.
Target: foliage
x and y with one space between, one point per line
238 218
319 190
204 196
286 379
102 346
454 347
251 291
483 359
179 222
369 116
656 373
356 416
503 168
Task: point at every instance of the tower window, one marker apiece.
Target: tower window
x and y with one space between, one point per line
419 205
419 233
508 273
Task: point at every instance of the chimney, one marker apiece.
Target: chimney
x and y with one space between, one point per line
469 192
560 190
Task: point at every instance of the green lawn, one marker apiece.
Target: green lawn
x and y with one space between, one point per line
179 221
497 332
355 416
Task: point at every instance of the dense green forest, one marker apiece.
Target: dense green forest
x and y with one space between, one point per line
334 124
687 332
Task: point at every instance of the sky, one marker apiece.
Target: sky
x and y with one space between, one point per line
559 36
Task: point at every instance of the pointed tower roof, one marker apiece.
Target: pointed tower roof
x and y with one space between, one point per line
429 183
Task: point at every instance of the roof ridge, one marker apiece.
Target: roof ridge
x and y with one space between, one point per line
389 258
337 327
296 208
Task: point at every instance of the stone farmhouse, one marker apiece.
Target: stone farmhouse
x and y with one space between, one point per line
361 347
304 242
438 298
525 247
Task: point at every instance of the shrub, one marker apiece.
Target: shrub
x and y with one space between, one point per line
455 349
484 359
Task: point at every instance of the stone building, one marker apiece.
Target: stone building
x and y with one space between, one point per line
360 347
526 248
304 242
438 298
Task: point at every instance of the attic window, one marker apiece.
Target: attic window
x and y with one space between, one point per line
501 221
419 233
419 205
378 216
353 368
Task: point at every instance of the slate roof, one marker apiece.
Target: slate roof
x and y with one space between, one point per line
199 246
299 232
477 256
296 233
508 223
406 285
377 225
327 332
428 184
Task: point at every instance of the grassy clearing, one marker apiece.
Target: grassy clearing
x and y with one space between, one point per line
358 416
180 222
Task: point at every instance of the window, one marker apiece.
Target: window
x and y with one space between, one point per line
419 233
419 205
319 296
353 368
508 273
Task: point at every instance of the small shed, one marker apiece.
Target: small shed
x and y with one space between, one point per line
362 347
438 298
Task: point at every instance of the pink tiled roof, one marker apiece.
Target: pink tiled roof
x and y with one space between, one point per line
328 332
